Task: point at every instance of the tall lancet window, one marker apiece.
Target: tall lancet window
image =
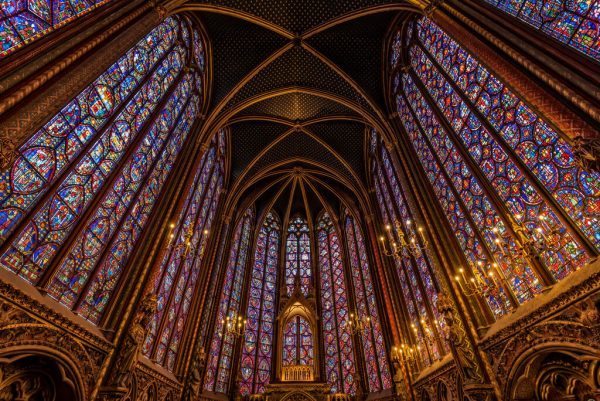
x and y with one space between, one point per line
257 351
297 258
218 373
175 277
415 269
378 372
23 21
339 356
575 23
298 347
78 197
511 188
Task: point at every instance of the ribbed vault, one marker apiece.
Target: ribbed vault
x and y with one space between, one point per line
297 83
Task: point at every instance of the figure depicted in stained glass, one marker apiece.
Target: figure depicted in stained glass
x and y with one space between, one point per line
298 256
339 355
76 201
257 351
218 372
378 372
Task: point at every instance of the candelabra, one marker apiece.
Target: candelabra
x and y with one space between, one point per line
476 285
358 325
234 325
405 354
412 245
186 244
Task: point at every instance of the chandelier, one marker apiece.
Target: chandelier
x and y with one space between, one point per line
415 245
234 325
358 326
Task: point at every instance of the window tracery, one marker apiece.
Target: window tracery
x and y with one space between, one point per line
509 184
257 351
76 200
24 21
339 355
574 23
298 256
219 364
378 372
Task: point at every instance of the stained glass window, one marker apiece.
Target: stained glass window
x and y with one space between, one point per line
219 364
23 21
415 270
297 258
505 179
87 182
298 347
573 22
179 266
374 348
257 350
339 357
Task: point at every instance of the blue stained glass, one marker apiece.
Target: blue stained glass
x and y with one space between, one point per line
48 153
218 368
573 22
258 339
533 141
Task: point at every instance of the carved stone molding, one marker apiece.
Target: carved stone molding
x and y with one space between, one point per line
42 313
587 152
22 334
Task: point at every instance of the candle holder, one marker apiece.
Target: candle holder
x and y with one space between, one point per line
358 325
234 325
476 285
412 245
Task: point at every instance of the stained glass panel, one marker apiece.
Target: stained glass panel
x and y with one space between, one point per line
516 130
176 274
297 259
374 348
106 157
221 350
573 22
257 350
23 21
339 356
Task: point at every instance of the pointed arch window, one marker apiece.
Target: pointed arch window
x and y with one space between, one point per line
415 272
218 373
298 256
378 372
257 351
507 182
176 275
339 356
574 23
86 183
23 21
298 347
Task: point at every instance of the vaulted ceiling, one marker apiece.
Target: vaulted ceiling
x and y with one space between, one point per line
297 83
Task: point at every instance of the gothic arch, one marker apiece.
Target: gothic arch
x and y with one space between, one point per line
40 373
555 371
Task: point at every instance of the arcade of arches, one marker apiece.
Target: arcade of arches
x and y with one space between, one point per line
300 200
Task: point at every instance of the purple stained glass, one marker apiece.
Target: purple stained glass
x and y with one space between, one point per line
298 342
374 348
530 138
44 158
23 21
573 22
339 355
177 271
221 349
298 256
473 249
257 350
